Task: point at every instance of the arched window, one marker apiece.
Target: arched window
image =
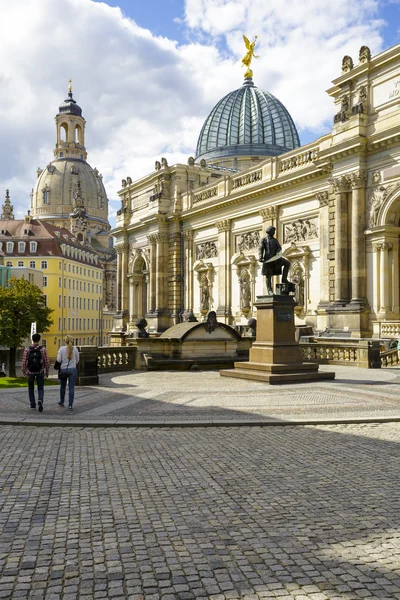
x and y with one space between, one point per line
63 132
78 134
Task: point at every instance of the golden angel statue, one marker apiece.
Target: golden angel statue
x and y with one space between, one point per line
248 57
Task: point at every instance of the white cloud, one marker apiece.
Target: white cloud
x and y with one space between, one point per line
145 96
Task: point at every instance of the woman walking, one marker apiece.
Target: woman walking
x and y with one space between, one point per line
68 357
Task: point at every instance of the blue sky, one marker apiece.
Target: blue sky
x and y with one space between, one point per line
147 73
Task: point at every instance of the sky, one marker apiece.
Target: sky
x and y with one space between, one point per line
148 72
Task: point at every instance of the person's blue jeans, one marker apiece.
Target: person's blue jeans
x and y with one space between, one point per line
72 374
31 387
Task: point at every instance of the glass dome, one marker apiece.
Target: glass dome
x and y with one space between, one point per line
247 122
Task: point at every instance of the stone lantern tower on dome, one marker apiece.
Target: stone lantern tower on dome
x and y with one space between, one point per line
54 194
70 194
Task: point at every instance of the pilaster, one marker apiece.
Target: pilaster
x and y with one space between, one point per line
224 310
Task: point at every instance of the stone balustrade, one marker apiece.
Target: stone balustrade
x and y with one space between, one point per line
390 330
94 361
246 179
360 353
298 160
390 358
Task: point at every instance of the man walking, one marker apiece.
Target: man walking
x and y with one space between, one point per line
35 365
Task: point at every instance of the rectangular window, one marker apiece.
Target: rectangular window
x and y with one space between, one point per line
100 290
80 323
80 302
73 284
59 323
92 304
43 264
69 301
21 246
65 302
45 299
65 282
80 285
97 288
9 247
32 264
60 282
84 287
84 272
97 305
84 323
73 302
84 304
64 323
60 266
33 246
69 268
92 323
73 323
69 323
59 301
92 288
44 281
69 284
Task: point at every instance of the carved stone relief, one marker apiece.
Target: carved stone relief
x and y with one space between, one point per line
376 200
206 250
204 293
300 230
247 241
245 289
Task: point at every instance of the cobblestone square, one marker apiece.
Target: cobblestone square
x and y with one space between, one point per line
289 512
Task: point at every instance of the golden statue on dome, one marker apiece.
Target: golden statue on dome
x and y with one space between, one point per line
70 85
248 57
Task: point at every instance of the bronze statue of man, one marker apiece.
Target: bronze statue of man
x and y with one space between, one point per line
269 248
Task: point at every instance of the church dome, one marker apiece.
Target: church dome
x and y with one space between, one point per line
54 193
247 122
70 107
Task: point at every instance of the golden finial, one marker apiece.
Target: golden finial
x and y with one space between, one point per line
70 85
248 57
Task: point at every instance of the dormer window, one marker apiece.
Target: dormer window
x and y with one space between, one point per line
61 154
33 246
10 247
3 232
21 246
26 231
57 233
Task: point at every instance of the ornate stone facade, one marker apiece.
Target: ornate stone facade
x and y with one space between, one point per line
335 204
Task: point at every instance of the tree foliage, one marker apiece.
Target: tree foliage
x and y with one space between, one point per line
21 303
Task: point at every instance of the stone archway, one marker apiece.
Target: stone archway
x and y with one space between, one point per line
383 237
138 277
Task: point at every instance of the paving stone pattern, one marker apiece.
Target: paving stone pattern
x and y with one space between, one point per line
305 512
170 397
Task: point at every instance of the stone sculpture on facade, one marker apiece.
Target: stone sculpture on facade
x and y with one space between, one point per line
347 64
270 254
377 198
248 241
206 250
301 230
245 290
204 293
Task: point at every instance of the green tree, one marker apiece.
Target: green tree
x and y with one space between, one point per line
21 303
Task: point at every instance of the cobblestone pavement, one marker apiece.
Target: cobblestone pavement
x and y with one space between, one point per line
206 397
295 513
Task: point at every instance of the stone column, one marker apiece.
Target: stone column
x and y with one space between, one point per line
224 310
124 276
358 257
395 279
119 277
323 199
131 300
162 266
342 187
376 249
385 304
153 267
188 269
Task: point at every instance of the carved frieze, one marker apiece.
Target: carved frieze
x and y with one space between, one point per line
205 195
206 250
247 179
247 241
300 230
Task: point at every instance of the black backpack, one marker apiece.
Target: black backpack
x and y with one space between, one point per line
35 360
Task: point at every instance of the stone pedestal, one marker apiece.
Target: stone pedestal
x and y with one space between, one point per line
275 356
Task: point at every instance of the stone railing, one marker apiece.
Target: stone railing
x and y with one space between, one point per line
110 360
342 352
94 361
206 194
390 330
246 179
390 358
298 160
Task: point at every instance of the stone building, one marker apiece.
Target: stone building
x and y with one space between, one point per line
188 235
70 194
